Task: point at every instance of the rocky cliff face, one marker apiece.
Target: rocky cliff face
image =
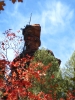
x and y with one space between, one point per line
31 35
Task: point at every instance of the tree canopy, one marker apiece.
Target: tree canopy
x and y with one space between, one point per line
41 79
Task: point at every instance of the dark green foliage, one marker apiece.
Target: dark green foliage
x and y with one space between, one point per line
54 83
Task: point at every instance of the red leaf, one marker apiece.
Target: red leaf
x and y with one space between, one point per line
12 95
1 83
1 5
13 1
31 95
20 0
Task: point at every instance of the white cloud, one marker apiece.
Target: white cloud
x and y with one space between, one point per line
56 19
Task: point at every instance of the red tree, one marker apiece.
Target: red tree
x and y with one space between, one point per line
23 78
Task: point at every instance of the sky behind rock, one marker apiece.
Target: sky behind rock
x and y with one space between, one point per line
57 20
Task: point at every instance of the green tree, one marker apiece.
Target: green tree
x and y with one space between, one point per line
54 83
70 72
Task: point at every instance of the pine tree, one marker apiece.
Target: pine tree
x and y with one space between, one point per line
70 72
51 81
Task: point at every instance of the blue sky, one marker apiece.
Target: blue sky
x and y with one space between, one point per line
57 20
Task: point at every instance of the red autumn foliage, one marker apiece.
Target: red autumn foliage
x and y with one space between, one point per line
18 84
2 3
13 1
